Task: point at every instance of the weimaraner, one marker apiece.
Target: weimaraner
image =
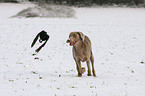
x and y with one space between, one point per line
82 51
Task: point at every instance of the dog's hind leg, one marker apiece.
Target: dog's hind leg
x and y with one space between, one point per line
92 61
89 70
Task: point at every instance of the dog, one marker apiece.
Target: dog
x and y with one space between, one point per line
43 37
82 51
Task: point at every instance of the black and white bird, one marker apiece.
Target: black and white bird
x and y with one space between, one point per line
43 37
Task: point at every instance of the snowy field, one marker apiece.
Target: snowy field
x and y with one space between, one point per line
118 43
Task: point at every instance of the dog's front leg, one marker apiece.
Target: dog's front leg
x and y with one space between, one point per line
79 69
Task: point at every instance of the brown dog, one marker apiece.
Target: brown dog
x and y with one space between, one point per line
82 51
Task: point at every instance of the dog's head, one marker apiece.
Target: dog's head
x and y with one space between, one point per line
74 37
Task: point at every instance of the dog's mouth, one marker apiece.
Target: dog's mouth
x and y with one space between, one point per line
72 43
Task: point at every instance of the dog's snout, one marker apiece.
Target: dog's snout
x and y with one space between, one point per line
68 41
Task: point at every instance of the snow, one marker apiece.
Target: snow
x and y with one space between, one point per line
47 11
117 36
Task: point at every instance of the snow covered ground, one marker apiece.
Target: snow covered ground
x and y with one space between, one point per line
117 36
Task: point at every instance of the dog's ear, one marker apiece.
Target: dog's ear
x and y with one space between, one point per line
36 38
81 35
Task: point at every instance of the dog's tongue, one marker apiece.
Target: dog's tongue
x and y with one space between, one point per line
71 43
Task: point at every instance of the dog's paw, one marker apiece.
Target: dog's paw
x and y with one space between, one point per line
94 75
79 75
89 74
